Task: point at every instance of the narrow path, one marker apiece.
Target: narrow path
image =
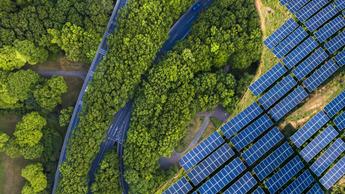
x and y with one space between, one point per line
78 74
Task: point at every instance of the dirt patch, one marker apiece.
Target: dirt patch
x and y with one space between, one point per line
13 181
60 63
193 128
8 122
74 87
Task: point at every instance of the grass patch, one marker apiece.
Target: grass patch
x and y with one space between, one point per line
193 128
216 123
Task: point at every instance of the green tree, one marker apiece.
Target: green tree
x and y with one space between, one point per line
3 141
48 96
65 116
9 60
34 174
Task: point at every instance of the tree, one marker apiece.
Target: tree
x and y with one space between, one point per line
37 181
48 96
65 116
9 60
3 141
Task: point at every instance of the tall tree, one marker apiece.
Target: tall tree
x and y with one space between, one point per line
37 181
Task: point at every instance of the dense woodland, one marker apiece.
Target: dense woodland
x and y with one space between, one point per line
32 31
195 76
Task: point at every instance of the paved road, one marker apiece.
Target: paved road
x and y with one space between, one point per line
101 52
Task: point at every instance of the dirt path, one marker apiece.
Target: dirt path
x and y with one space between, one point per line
259 8
12 168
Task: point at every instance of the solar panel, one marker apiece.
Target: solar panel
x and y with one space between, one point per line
310 63
328 157
340 5
336 43
281 33
300 184
283 2
223 177
322 17
300 52
340 58
181 186
288 103
309 129
340 121
320 76
295 5
277 92
250 133
310 9
316 189
197 154
258 190
265 81
273 161
263 145
335 105
210 164
319 143
280 178
330 28
290 42
242 185
334 174
241 120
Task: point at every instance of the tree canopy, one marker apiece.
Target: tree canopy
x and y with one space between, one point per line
37 181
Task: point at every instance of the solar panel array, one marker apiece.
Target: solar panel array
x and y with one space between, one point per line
340 121
309 57
318 143
201 151
210 164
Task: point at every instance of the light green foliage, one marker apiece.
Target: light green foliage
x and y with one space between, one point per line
29 130
143 27
76 42
22 52
37 181
65 116
16 87
107 177
3 140
48 96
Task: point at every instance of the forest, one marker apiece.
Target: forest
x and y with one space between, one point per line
31 33
210 67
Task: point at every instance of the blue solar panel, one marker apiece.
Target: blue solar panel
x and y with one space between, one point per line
277 92
335 105
320 76
258 190
288 103
280 178
210 164
300 184
281 33
334 174
290 42
319 143
242 185
310 63
300 52
310 9
309 129
250 133
328 157
330 28
181 186
340 58
322 17
273 161
283 2
201 151
340 122
265 81
340 5
241 120
336 43
223 177
316 189
262 146
295 5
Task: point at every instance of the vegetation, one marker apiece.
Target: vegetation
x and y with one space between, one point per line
37 181
142 28
65 116
107 177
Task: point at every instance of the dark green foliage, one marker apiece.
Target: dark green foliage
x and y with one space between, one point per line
49 94
142 29
107 176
